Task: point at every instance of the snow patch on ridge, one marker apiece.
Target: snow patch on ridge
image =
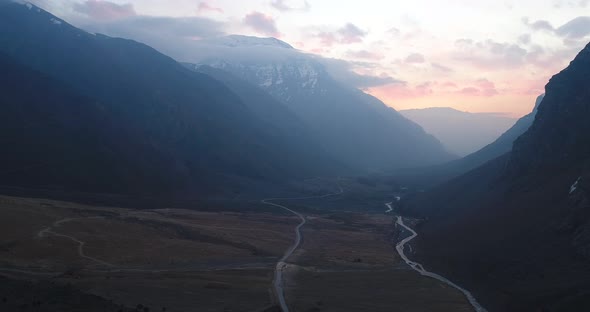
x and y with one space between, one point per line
574 186
276 77
237 41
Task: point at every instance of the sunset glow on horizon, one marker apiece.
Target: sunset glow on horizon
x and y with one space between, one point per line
476 56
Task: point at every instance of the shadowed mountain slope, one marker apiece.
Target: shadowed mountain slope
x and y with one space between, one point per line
523 220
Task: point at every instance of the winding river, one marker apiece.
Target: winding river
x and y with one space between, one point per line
420 269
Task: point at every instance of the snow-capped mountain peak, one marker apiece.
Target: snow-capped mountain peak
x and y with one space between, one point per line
278 78
236 41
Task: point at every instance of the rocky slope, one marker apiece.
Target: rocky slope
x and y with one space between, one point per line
516 230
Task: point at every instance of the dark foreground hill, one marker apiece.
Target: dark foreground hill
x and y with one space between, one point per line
516 231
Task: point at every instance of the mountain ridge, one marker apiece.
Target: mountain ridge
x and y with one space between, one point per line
427 177
342 118
461 132
193 121
523 218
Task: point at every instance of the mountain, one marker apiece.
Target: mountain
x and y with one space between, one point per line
54 136
181 131
356 128
236 41
433 175
279 120
523 219
504 143
462 133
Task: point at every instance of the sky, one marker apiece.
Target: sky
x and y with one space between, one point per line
477 56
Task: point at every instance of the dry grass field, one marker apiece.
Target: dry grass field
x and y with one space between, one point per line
188 260
182 260
348 263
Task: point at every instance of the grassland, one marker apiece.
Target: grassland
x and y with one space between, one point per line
181 260
65 256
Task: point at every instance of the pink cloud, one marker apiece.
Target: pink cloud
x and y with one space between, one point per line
531 87
403 91
469 91
481 87
284 7
449 84
441 68
415 58
489 54
485 84
327 39
105 10
262 23
348 34
205 7
364 54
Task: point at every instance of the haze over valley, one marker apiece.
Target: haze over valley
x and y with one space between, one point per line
294 156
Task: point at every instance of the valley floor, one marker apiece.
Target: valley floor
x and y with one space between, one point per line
189 260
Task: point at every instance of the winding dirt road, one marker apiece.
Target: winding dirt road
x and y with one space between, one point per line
420 269
278 282
81 244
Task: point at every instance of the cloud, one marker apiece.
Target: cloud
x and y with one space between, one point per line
393 32
415 58
205 7
539 25
463 42
449 85
366 81
469 91
364 54
481 87
347 34
104 10
167 34
553 61
524 39
441 68
350 33
344 72
152 26
571 4
489 54
403 91
327 39
577 28
284 7
262 23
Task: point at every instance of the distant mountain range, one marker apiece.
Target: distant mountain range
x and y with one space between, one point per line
460 132
116 116
523 219
433 175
